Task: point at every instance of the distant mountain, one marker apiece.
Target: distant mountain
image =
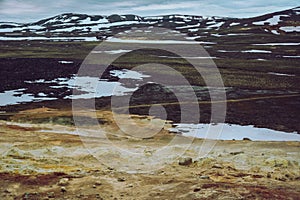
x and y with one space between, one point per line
97 27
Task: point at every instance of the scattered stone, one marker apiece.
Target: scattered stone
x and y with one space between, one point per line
63 182
147 153
255 169
185 161
121 179
130 185
204 177
97 183
281 178
217 166
51 195
236 153
288 176
257 176
26 195
33 195
63 189
197 189
94 186
8 191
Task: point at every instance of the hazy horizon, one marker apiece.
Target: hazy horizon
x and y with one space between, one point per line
33 10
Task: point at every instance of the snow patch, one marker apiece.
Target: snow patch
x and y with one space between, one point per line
189 26
226 51
194 29
192 38
234 24
280 74
217 25
275 32
113 51
128 74
188 57
291 56
256 51
119 40
271 21
290 28
279 44
47 38
65 62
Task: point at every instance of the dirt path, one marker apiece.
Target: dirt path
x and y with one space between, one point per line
213 102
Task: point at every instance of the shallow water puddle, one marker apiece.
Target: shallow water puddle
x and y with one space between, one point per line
13 97
233 132
87 87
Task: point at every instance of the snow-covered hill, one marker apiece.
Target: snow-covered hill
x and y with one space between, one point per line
72 26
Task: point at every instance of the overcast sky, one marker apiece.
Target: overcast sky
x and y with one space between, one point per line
32 10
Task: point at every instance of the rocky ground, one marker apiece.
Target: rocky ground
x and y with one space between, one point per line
44 161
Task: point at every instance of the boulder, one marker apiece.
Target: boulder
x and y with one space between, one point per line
185 161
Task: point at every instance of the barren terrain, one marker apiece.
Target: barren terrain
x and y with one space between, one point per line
45 161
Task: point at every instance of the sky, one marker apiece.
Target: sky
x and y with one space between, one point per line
34 10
